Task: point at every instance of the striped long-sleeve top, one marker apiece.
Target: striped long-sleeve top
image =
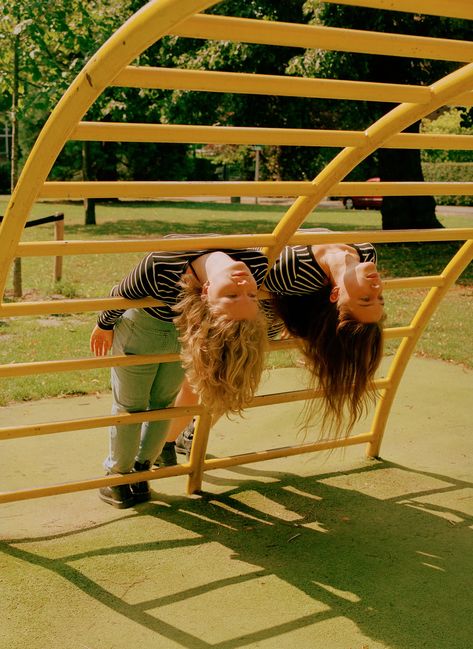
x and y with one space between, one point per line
158 276
296 271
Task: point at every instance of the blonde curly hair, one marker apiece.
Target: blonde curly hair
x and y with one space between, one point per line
223 358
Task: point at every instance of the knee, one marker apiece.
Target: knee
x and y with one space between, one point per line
126 404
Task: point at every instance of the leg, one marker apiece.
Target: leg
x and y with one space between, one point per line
139 333
165 387
186 397
131 388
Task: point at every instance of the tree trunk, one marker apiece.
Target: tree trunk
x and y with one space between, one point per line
17 278
405 212
89 203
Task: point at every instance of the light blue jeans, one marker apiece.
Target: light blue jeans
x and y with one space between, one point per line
141 387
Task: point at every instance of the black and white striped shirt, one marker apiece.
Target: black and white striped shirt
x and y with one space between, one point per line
158 276
296 271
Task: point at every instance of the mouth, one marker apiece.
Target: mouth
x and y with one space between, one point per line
238 274
374 280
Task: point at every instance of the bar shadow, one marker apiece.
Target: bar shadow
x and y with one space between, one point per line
397 566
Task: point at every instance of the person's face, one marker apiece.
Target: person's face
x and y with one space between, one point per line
233 292
361 292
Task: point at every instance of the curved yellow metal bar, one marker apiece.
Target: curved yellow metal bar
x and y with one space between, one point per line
145 27
396 370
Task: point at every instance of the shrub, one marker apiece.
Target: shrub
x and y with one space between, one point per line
449 172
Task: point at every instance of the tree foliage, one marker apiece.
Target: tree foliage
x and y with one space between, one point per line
396 165
57 38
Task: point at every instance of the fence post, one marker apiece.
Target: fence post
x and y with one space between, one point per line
17 283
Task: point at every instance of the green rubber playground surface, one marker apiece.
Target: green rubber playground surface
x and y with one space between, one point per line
328 551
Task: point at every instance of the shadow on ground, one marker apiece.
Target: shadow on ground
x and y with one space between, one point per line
275 563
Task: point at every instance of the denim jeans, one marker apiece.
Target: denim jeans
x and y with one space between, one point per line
141 387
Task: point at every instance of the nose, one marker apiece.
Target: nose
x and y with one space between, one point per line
377 287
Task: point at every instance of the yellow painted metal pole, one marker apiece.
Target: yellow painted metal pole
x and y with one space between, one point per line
452 271
447 8
186 133
181 189
326 38
264 84
197 456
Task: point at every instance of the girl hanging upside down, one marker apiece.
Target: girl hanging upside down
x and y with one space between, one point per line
223 335
330 297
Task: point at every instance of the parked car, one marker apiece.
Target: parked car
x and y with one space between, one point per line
364 202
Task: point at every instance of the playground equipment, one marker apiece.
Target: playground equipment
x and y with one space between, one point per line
112 65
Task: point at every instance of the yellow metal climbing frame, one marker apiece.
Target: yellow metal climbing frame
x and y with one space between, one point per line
113 66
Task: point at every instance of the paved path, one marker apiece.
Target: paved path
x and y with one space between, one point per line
309 552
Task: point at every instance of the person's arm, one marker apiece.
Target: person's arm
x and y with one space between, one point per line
133 287
186 397
101 341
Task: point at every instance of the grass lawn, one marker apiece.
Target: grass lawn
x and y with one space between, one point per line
448 336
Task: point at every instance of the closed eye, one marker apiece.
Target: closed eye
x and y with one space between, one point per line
367 301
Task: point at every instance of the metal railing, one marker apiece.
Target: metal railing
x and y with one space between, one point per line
111 67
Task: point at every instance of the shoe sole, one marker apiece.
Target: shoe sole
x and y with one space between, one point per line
119 504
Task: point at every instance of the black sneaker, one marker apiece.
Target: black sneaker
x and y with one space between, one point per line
184 440
140 490
168 455
119 496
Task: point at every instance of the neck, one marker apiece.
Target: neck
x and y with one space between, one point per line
335 262
207 266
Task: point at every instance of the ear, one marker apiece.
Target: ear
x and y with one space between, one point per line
334 293
205 290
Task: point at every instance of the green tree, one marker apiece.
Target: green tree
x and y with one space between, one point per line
230 109
44 46
395 165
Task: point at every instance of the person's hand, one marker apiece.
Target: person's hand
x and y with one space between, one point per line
101 341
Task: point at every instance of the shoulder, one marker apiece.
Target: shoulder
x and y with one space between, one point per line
296 271
366 251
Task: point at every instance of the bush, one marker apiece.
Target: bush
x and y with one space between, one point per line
449 172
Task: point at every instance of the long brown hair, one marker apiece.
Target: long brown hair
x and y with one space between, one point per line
223 358
341 354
